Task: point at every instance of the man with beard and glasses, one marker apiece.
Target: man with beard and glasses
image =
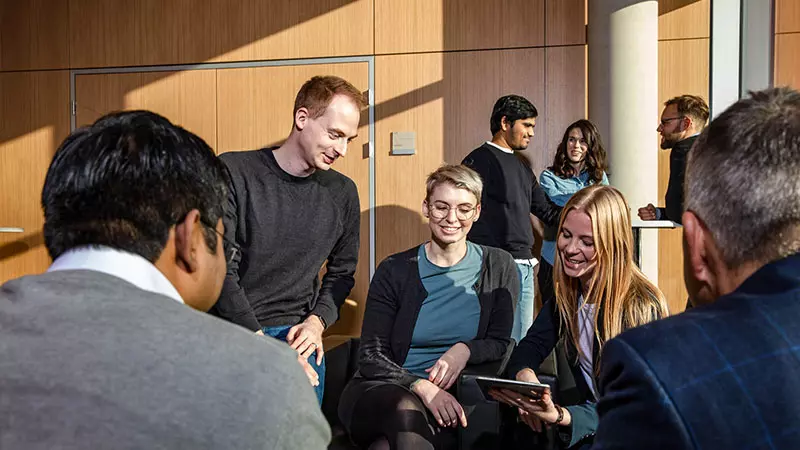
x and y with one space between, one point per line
681 122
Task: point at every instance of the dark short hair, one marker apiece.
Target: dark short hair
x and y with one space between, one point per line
125 180
742 178
595 155
316 94
692 106
513 108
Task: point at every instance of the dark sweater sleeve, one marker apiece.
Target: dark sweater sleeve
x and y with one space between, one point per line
674 196
233 305
504 296
542 207
341 266
541 339
489 173
374 353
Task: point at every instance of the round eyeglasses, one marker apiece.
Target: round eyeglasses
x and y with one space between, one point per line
440 210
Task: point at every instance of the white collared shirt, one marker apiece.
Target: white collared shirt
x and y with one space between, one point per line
130 267
502 149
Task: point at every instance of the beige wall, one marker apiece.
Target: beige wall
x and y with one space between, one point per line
439 66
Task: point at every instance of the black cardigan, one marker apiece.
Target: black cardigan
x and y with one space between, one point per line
395 297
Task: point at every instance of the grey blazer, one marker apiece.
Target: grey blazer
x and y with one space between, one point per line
88 360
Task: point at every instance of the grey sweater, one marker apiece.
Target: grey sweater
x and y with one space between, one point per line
88 360
287 227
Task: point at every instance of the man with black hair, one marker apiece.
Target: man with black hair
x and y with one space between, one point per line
101 350
510 194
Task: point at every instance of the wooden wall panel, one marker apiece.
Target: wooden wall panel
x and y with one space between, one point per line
33 34
255 110
309 29
787 62
566 99
405 26
185 98
35 112
447 100
676 77
787 16
103 33
153 32
565 22
684 19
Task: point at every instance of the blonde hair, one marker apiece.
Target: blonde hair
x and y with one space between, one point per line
456 175
623 295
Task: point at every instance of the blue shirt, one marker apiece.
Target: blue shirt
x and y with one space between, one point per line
560 190
451 311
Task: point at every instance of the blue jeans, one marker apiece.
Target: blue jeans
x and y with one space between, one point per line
280 334
523 312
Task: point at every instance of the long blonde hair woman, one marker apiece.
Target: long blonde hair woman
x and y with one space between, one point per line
626 297
599 294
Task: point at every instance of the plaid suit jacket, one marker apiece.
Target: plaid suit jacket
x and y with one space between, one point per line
721 376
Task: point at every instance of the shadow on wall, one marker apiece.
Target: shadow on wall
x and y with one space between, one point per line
21 245
415 229
667 6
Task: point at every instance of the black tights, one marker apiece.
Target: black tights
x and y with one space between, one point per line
392 412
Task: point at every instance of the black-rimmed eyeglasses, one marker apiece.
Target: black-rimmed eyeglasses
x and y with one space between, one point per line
231 248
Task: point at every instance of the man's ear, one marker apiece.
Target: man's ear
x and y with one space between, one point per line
687 123
699 264
301 117
504 123
188 237
477 213
425 209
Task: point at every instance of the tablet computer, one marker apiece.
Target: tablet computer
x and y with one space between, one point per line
530 390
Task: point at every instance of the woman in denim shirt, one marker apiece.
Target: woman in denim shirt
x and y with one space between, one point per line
580 161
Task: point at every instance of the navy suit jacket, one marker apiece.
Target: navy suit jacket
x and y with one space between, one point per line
725 375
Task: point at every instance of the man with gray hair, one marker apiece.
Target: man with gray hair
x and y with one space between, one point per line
724 374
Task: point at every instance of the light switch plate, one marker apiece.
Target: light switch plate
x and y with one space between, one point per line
404 142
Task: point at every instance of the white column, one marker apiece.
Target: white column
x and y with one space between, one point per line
757 45
623 102
726 16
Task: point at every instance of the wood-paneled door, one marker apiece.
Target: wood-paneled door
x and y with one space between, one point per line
236 109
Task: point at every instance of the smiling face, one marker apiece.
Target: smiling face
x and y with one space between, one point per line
577 147
518 135
576 246
324 139
451 211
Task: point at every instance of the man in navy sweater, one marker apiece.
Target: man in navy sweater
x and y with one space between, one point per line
510 194
290 214
724 374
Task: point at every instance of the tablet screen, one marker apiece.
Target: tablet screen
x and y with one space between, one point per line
531 390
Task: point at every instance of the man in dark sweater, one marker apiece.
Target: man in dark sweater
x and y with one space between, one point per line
290 214
510 194
682 121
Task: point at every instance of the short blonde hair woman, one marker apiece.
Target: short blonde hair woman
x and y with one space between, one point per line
431 310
